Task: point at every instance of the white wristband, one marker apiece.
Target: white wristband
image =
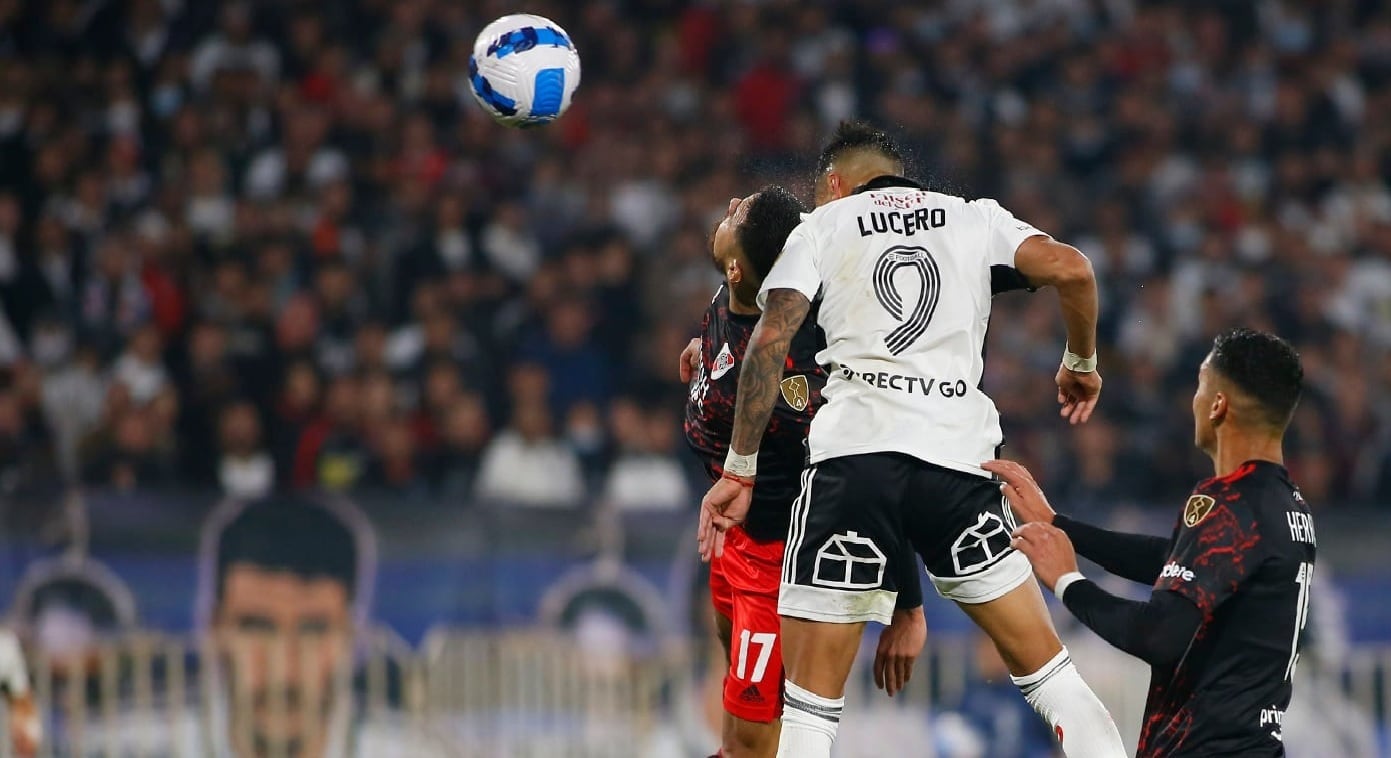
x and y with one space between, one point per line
741 465
1077 364
1066 581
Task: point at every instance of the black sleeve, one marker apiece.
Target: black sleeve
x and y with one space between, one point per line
1157 632
1137 557
1215 555
1008 279
910 587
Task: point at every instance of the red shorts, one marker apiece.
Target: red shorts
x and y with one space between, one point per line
744 585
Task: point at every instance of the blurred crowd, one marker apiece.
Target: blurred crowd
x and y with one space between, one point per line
274 243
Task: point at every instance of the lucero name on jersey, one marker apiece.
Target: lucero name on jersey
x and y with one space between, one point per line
904 224
916 385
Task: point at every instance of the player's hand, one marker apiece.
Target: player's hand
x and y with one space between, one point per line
1048 549
690 360
709 539
26 726
1022 492
723 508
1078 393
899 647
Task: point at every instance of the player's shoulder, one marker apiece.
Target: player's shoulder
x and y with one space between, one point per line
986 207
1251 477
1255 487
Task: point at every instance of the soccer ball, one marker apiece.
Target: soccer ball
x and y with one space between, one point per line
524 70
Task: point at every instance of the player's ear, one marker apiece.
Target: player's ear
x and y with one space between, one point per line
733 271
1220 405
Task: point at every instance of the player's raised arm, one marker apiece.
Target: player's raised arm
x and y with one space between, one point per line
1045 262
783 314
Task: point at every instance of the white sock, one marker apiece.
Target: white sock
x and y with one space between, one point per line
1080 721
809 723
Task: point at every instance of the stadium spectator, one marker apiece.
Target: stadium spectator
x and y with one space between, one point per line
295 407
73 399
140 369
568 353
645 473
134 450
438 391
211 382
525 464
23 445
233 48
331 452
587 435
460 449
396 466
113 303
245 468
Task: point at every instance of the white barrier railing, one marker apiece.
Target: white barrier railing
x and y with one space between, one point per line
532 693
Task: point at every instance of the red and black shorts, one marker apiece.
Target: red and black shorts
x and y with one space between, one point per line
744 585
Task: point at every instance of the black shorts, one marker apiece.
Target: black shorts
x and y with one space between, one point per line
860 516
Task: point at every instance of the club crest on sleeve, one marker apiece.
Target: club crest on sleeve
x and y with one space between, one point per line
1197 509
796 392
723 363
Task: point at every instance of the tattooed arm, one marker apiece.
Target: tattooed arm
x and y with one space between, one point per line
783 314
728 501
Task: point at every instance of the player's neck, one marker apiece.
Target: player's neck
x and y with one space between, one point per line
854 181
1236 447
741 308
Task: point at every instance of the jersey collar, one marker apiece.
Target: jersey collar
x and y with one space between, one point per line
885 182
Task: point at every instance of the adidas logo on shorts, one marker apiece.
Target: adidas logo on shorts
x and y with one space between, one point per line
750 695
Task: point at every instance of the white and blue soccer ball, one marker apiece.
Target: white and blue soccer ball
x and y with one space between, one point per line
524 70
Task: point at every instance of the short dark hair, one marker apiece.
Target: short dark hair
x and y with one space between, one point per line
289 534
772 215
1264 367
857 135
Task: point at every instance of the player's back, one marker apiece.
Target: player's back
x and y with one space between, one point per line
1249 570
904 281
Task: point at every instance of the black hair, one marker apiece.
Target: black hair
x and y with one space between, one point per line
1263 366
772 215
289 534
857 135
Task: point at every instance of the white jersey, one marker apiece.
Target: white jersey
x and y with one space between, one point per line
904 281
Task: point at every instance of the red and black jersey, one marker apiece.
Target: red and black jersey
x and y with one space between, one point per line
710 411
1243 553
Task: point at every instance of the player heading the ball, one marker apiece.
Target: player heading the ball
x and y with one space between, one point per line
902 278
